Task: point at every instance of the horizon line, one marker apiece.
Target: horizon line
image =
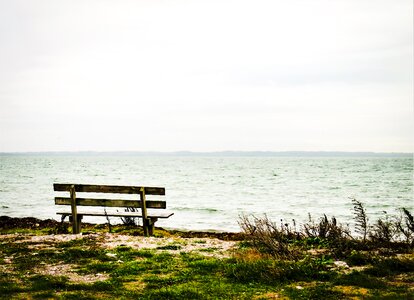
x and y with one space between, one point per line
213 153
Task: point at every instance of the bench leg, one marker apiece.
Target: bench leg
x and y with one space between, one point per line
76 227
145 226
79 227
151 225
148 226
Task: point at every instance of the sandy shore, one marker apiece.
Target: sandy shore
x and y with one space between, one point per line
112 240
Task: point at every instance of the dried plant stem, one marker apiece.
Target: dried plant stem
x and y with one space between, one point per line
361 219
109 222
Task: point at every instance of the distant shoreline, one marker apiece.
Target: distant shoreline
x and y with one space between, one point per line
214 154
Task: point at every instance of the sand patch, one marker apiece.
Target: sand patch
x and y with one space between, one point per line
205 246
40 239
67 270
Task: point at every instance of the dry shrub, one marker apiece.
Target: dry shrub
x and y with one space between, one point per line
361 219
267 237
284 242
405 225
409 220
249 255
384 231
325 229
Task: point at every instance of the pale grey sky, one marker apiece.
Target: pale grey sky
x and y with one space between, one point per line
206 75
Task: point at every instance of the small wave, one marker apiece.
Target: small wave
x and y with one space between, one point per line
334 188
196 209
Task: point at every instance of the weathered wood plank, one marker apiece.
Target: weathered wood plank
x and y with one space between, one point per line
121 214
116 189
75 225
111 202
145 224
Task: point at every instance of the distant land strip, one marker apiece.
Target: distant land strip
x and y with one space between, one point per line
215 154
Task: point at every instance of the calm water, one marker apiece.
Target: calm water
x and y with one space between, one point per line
210 193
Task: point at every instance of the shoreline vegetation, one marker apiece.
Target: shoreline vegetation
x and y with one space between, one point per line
320 259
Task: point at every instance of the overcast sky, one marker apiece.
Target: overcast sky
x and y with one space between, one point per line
206 75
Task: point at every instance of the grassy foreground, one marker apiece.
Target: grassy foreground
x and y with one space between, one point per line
37 263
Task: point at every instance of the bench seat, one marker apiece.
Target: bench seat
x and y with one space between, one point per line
158 215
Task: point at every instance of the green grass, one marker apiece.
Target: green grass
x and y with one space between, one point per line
131 273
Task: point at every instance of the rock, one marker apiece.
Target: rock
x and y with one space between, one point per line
341 264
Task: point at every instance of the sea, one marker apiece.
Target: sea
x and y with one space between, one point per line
213 192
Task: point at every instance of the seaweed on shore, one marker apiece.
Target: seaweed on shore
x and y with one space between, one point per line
26 223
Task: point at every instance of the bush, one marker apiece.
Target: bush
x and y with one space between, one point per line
267 237
325 229
284 242
383 231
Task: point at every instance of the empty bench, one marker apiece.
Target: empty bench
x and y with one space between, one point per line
140 205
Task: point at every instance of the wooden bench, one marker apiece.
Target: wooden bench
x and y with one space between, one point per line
75 216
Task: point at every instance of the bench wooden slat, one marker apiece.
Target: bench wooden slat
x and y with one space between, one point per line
116 189
149 218
120 214
111 202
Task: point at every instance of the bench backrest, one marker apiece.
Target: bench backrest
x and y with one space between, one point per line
112 189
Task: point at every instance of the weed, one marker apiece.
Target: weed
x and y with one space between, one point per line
169 247
361 219
108 220
406 228
267 237
325 229
409 219
210 249
383 231
359 258
390 266
200 241
130 221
